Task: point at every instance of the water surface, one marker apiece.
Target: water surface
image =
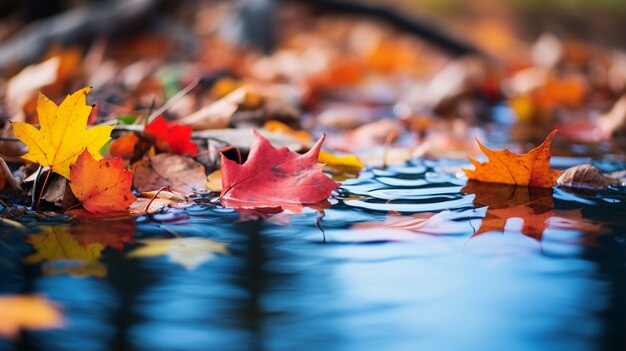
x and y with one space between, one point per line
406 258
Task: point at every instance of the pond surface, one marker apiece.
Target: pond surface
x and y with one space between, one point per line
407 258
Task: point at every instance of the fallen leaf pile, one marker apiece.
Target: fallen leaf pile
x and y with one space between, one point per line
269 133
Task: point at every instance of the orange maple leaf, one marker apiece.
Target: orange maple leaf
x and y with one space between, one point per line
101 186
505 167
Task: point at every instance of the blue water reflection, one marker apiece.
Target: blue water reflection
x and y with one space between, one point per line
407 258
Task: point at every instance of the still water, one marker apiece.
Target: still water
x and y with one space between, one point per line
406 258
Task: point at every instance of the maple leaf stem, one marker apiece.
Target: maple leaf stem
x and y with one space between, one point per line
34 191
318 224
43 187
73 207
165 188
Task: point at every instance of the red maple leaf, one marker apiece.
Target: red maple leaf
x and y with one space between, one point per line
275 178
171 137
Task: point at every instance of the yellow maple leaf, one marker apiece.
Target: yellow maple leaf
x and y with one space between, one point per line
63 135
347 163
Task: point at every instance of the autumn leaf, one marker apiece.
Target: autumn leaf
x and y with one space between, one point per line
531 169
214 181
27 312
180 173
171 137
341 163
280 127
275 177
101 186
188 252
337 163
124 146
63 135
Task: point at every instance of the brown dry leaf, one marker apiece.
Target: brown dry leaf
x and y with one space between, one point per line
180 173
141 207
585 176
154 201
58 192
27 312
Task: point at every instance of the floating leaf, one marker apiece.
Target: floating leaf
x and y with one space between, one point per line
62 136
584 177
101 186
275 178
188 252
531 169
